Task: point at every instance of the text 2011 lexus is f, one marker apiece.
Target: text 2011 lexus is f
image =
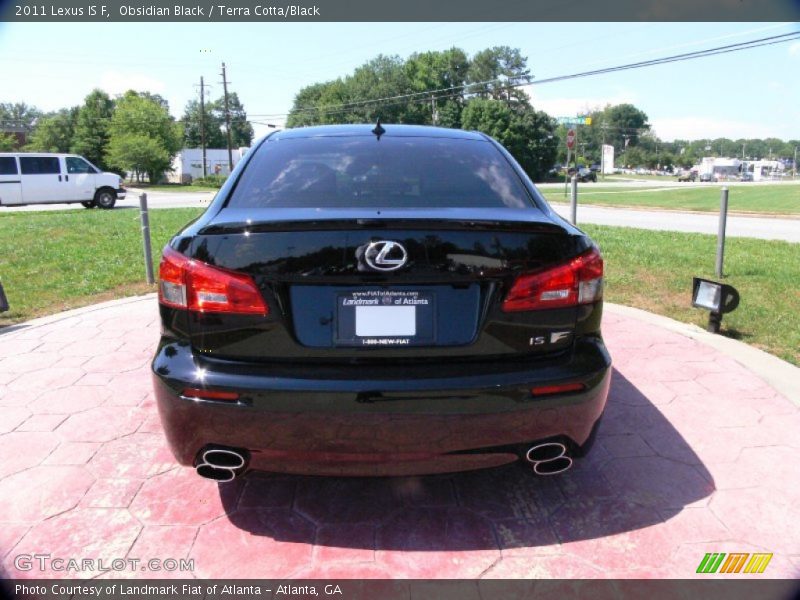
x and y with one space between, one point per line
379 300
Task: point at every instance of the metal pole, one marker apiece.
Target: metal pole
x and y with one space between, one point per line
723 217
573 201
148 254
203 123
227 119
3 299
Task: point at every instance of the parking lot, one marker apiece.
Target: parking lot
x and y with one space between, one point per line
696 454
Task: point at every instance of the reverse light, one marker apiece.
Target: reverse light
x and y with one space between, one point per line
579 281
197 286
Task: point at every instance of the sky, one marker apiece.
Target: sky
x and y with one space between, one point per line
749 94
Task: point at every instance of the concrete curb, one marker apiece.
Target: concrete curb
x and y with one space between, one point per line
780 374
75 312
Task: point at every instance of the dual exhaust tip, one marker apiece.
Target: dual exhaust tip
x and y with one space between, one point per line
221 464
549 458
226 464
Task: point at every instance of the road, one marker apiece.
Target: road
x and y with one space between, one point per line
766 228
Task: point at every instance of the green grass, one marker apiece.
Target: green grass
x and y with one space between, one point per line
623 177
52 261
171 187
653 270
768 199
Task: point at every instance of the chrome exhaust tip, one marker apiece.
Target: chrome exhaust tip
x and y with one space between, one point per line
223 459
220 464
219 475
549 458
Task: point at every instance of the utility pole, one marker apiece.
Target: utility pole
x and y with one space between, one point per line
227 119
203 123
433 109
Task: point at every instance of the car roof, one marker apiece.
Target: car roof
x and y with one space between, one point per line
390 130
60 154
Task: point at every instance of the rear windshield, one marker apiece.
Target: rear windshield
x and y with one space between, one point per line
345 172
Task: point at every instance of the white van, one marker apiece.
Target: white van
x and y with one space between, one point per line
43 178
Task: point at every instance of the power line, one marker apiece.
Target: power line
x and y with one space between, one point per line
437 93
508 83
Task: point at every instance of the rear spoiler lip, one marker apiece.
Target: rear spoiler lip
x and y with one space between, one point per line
265 220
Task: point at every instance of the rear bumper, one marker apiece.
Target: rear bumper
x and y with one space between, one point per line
366 421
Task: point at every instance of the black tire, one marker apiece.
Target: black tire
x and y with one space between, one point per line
88 204
105 198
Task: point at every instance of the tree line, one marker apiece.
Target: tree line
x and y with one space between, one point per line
483 92
133 133
626 127
446 88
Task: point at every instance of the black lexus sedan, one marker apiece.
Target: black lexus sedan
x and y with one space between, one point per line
379 300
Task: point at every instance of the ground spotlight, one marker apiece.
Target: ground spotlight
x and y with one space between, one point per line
718 298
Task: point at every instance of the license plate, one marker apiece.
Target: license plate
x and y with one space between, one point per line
382 321
384 318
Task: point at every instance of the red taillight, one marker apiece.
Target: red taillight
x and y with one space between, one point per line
197 286
560 388
580 281
210 394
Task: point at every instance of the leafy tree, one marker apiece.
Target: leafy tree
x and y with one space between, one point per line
7 142
144 137
191 127
401 87
54 132
308 107
499 63
529 135
18 114
446 71
92 127
241 130
139 153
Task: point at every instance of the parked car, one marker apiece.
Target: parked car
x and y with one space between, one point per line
708 177
585 175
688 176
387 300
42 178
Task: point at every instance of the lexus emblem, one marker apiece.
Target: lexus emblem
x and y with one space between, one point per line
385 255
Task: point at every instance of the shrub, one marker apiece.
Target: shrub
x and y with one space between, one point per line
215 181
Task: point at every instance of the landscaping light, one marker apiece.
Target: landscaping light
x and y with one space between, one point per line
718 298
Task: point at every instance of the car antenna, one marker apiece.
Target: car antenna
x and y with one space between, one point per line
378 130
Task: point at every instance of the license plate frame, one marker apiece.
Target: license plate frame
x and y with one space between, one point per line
370 313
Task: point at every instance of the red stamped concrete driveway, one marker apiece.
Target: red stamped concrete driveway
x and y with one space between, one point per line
695 454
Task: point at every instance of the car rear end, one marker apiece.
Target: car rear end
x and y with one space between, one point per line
399 303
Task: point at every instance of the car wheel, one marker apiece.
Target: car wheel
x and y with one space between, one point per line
105 199
88 204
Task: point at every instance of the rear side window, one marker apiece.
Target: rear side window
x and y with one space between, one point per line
8 165
393 172
78 165
39 165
